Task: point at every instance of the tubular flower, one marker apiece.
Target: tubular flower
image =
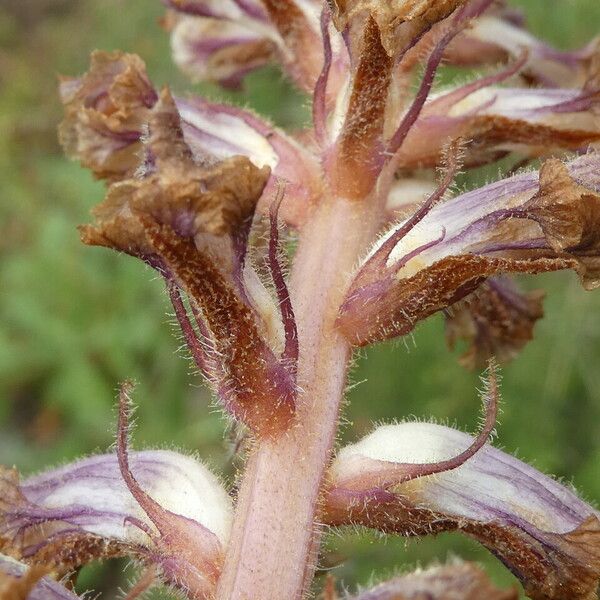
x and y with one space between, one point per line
497 121
526 224
223 41
500 37
422 478
156 506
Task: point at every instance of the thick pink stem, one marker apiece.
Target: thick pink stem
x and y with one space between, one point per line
275 539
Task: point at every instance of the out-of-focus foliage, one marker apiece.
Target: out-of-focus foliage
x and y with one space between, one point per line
74 321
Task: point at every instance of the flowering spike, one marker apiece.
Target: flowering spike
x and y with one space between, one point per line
186 179
290 352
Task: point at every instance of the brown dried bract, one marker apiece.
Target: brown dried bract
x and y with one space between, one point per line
251 382
569 215
463 581
305 56
399 21
105 114
176 191
496 321
551 566
359 146
403 303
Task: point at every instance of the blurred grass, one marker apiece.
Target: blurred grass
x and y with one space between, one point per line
74 321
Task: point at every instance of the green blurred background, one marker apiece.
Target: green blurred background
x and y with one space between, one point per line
74 321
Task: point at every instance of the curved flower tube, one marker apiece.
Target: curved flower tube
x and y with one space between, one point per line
66 517
530 223
540 529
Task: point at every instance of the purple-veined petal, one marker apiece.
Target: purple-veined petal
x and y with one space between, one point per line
63 516
288 30
529 223
219 9
214 50
25 582
498 120
491 36
539 528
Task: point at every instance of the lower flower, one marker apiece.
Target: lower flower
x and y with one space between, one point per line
546 535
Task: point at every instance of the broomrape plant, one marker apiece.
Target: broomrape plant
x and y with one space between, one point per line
205 194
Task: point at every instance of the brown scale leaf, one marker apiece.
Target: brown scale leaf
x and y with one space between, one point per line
105 112
399 21
551 566
496 321
463 581
305 47
357 156
254 382
190 198
400 305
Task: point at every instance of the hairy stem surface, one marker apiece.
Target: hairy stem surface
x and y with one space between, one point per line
275 538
